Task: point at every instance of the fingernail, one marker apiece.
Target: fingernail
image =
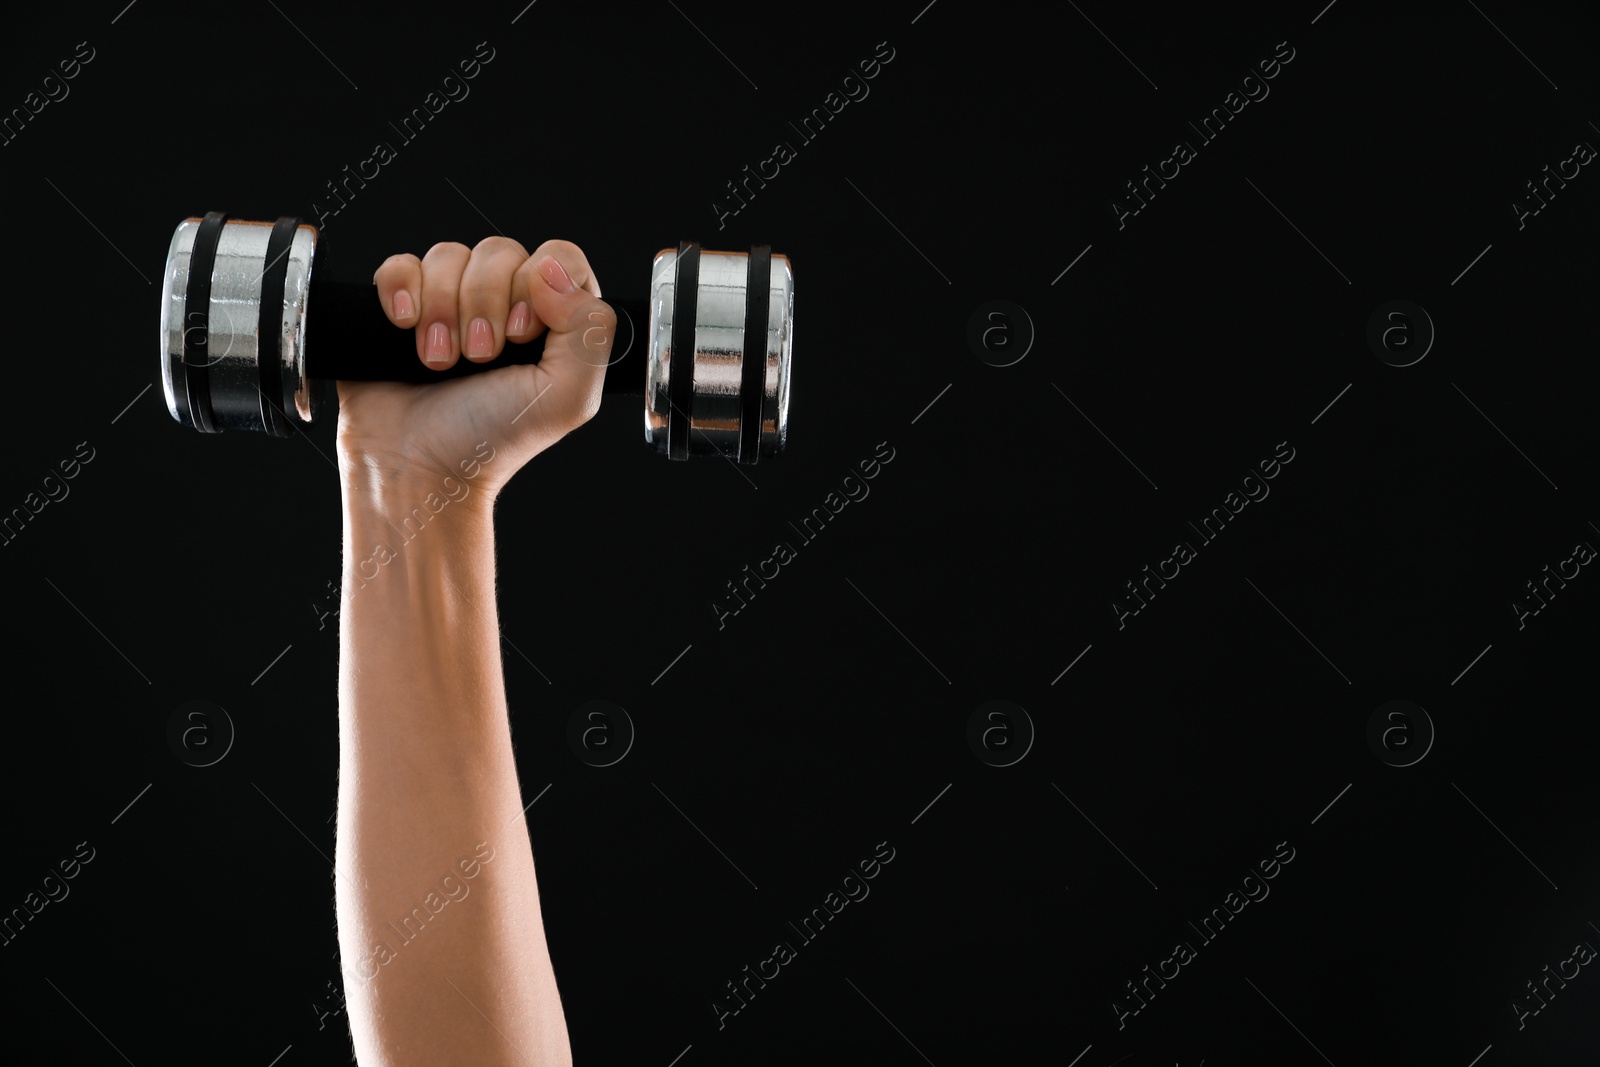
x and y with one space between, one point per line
480 338
518 322
555 275
438 350
402 305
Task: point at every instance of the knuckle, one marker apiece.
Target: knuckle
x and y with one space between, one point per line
601 313
446 251
577 406
600 325
496 245
579 411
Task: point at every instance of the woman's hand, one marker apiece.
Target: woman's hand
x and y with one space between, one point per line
473 302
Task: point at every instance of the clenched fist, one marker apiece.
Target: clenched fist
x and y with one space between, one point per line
471 303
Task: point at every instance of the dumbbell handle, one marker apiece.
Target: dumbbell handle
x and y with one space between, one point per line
349 337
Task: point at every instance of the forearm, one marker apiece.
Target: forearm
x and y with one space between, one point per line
443 950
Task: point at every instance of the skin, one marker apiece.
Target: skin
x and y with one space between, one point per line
428 785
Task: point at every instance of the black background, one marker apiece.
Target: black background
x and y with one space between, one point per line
824 718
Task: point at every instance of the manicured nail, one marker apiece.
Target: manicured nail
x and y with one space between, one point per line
555 275
438 350
480 338
402 305
518 322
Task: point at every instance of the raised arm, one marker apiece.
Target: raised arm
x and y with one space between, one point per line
440 930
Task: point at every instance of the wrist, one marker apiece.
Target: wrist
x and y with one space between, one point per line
395 487
378 497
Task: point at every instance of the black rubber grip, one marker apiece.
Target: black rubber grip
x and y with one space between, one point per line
348 336
680 362
269 326
197 320
753 360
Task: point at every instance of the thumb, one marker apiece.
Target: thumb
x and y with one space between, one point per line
581 326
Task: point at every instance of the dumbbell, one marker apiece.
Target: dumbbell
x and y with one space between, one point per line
239 349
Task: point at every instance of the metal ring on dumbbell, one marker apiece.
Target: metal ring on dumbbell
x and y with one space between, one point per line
237 351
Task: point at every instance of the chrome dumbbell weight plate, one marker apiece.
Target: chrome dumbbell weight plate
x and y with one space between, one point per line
738 394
